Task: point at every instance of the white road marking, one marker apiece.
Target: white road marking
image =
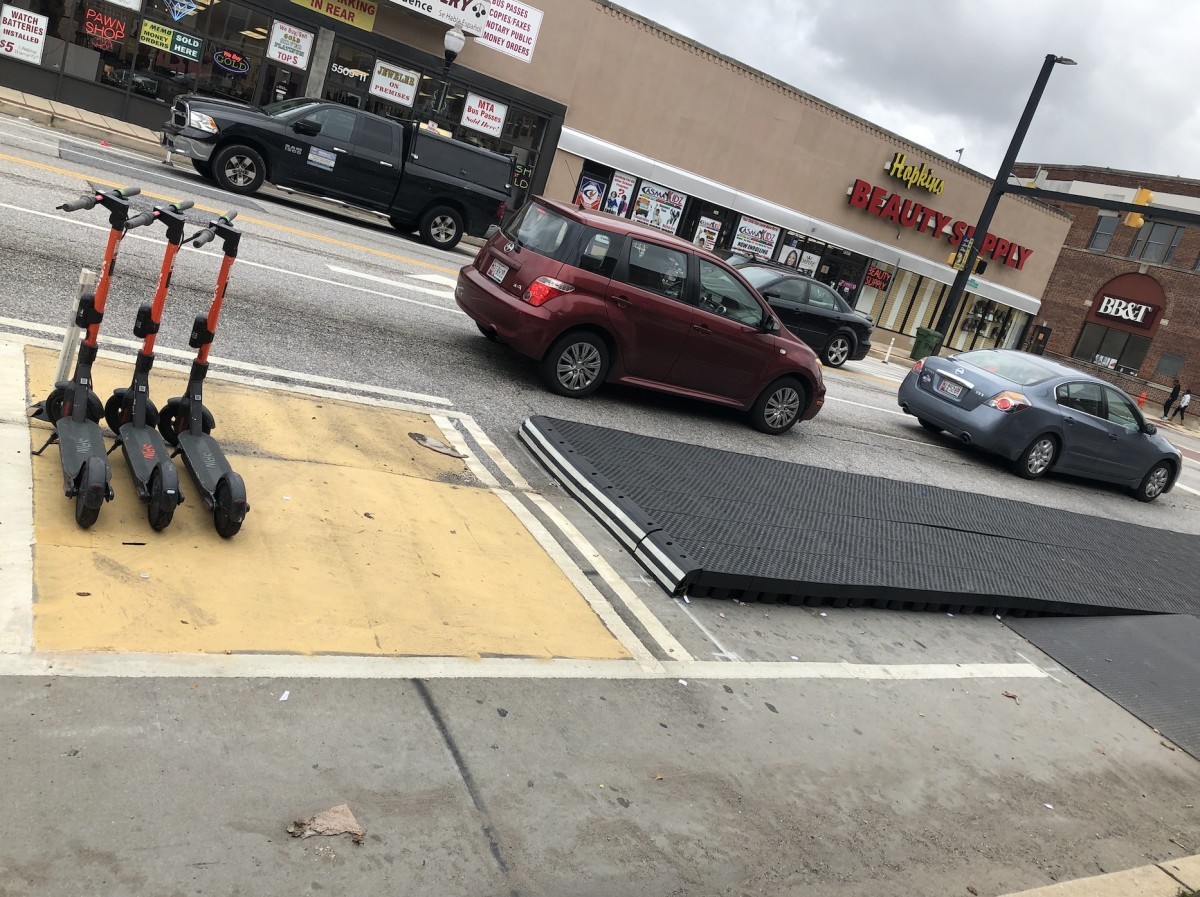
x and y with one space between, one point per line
349 272
493 451
863 405
1179 485
168 353
16 505
244 261
436 278
1047 672
275 666
629 598
605 611
724 652
456 441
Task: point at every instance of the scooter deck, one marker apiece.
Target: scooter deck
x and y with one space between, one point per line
143 448
204 460
78 441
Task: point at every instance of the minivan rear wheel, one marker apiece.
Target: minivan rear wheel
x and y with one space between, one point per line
576 365
779 406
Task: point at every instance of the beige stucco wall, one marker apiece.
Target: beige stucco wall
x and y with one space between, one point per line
630 83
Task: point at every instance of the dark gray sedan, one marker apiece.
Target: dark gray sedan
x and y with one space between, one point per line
1041 416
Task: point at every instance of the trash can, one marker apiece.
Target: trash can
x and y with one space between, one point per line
927 340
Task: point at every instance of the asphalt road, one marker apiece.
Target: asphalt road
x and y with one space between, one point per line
147 786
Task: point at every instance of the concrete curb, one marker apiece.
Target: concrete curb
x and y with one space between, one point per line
78 128
1167 879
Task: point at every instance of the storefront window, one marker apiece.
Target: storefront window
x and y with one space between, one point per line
105 41
1111 348
233 56
349 75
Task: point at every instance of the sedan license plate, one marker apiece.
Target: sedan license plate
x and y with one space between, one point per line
950 388
498 271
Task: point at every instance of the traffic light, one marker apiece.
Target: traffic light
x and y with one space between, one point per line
1143 197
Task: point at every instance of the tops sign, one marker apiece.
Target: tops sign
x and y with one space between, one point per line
914 175
893 207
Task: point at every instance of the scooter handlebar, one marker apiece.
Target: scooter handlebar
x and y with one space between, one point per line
228 217
139 220
129 192
205 236
182 206
84 202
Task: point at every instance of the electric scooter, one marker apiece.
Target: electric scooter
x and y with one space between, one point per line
73 406
129 412
186 422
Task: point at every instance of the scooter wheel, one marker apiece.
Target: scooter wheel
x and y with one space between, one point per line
91 491
229 508
164 496
55 405
95 409
117 411
173 420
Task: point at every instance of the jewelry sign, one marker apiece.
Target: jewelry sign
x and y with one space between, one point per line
394 83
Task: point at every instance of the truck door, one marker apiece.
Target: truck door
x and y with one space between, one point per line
316 162
373 165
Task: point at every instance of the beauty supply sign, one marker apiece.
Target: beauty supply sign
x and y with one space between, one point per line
512 29
22 34
394 83
469 15
481 114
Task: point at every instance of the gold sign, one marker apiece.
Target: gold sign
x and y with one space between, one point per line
359 13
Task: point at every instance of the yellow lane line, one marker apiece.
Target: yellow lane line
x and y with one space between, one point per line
242 218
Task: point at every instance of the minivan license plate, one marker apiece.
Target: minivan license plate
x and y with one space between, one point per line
498 271
953 390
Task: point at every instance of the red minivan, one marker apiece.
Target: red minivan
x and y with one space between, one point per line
597 298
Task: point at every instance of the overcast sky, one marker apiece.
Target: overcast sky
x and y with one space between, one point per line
957 73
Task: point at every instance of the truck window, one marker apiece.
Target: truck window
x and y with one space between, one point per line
378 136
336 124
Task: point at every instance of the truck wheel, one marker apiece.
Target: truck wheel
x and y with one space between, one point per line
239 169
203 168
442 227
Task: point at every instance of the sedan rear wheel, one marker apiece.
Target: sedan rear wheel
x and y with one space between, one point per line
779 406
837 351
1038 458
1154 482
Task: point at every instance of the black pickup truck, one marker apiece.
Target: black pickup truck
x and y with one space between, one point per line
422 181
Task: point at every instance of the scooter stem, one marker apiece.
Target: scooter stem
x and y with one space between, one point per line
214 310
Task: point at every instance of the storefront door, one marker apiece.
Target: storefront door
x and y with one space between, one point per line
279 83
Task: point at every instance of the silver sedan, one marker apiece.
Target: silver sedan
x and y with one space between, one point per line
1041 416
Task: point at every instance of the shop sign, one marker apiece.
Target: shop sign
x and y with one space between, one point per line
469 15
103 31
620 194
22 34
590 194
512 28
180 8
522 175
708 231
659 207
893 207
1126 310
163 38
877 278
914 175
346 72
808 263
394 83
756 238
289 45
359 13
484 115
231 61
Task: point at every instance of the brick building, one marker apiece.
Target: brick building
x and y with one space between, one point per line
1122 301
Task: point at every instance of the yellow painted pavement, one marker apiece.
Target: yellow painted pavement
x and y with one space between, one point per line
358 541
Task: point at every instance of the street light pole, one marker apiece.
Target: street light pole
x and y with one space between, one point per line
993 197
454 41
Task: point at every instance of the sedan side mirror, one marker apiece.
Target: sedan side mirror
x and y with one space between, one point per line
769 324
306 127
1148 428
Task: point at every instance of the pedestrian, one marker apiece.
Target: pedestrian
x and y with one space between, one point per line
1171 399
1184 401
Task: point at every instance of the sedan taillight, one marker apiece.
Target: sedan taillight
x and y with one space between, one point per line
1009 402
544 289
919 364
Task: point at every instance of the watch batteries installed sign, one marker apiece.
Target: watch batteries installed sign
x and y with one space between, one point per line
469 15
512 28
394 83
484 115
289 45
22 34
163 38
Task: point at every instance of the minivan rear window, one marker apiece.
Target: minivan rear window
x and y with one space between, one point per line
543 231
1019 368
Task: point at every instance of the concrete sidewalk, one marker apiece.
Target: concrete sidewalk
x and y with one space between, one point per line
1167 879
79 121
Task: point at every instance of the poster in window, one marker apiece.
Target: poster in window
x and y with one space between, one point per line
289 45
590 194
659 207
620 194
482 114
808 263
22 34
708 231
792 248
756 238
394 83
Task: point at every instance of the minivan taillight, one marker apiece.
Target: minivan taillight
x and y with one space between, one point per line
544 289
500 210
